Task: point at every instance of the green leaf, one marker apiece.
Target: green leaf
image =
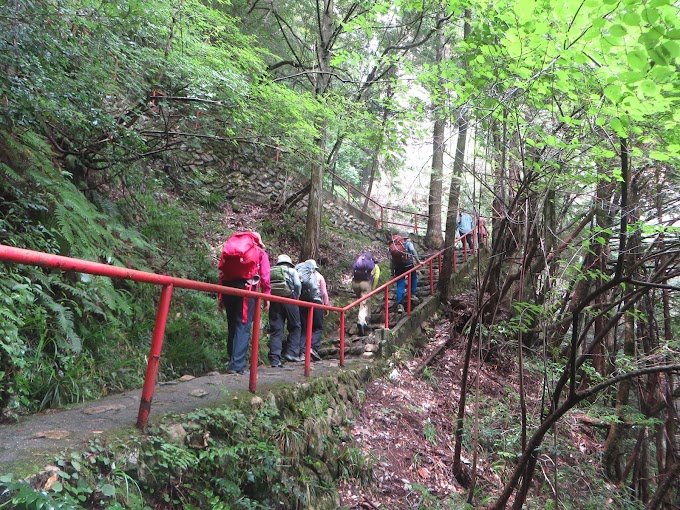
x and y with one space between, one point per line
617 126
631 18
648 87
57 487
108 490
613 92
617 31
659 156
637 59
658 56
630 77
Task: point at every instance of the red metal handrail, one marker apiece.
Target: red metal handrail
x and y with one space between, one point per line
385 286
380 222
168 283
23 256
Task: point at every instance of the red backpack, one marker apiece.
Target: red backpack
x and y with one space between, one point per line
398 251
240 257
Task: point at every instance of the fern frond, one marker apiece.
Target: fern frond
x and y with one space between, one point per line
64 320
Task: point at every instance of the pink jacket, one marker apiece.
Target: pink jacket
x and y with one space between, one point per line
322 288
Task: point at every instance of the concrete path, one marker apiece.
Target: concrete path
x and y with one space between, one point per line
36 439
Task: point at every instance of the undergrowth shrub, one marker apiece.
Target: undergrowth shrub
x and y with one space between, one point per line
213 458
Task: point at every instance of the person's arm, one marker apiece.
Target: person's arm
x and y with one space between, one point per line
297 284
376 276
412 249
324 291
265 277
265 273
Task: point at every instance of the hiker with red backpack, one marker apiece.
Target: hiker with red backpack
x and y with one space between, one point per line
314 291
243 265
285 282
365 277
403 256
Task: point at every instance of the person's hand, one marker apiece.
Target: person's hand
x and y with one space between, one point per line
220 304
266 306
326 313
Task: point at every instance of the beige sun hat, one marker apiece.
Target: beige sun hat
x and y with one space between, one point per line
284 259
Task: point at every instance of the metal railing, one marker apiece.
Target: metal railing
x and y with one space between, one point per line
168 283
376 208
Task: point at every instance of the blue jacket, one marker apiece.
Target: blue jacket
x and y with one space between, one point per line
464 223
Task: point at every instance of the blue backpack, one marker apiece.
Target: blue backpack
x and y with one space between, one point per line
310 284
363 267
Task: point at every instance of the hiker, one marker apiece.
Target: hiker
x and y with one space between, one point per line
243 265
365 277
314 291
465 227
482 232
403 256
285 282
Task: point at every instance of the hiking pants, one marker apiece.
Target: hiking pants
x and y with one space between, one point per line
401 285
238 336
317 328
361 288
468 238
281 314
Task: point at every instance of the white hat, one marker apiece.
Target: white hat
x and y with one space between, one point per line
284 259
313 263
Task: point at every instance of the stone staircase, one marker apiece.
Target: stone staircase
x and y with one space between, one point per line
368 346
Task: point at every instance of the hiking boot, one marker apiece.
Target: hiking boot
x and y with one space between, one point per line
237 372
415 300
276 364
292 359
315 356
400 308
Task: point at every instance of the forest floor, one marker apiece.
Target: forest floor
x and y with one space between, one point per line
407 421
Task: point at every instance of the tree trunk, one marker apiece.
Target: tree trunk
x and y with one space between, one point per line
433 238
310 245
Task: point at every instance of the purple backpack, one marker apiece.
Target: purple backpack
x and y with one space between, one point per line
363 266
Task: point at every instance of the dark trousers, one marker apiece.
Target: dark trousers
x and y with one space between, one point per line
317 327
238 332
468 239
281 314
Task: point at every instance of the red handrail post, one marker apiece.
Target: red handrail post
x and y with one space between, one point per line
408 292
431 277
308 343
255 349
387 307
342 339
154 357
